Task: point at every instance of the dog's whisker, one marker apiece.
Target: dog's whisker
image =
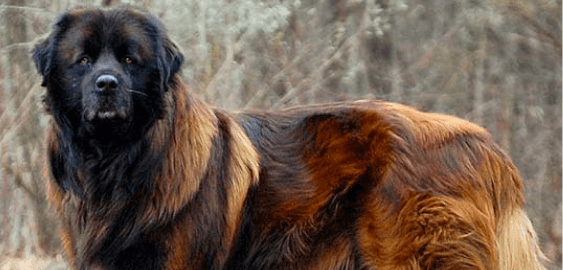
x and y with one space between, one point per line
136 92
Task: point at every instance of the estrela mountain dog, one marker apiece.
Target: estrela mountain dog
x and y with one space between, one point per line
145 175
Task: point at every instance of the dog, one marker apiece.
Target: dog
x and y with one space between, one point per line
145 175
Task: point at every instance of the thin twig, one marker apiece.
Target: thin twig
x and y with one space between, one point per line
25 8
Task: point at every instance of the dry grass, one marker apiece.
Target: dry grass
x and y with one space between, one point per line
32 263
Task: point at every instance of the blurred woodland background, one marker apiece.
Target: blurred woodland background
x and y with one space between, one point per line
494 62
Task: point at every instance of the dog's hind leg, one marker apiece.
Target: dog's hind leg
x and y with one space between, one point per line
429 232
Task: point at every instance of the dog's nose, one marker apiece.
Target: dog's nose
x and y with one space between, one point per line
106 82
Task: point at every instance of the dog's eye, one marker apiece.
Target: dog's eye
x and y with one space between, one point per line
84 61
128 60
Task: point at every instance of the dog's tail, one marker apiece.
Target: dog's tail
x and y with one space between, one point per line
517 243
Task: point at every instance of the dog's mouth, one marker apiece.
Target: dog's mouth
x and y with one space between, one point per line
107 123
105 114
104 107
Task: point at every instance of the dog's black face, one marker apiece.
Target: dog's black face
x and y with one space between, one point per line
106 72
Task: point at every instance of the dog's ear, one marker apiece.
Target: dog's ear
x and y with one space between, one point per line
43 56
170 58
173 58
43 53
170 61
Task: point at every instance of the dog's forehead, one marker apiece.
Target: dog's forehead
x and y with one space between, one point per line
95 29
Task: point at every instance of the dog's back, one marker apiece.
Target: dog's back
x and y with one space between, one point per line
382 186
